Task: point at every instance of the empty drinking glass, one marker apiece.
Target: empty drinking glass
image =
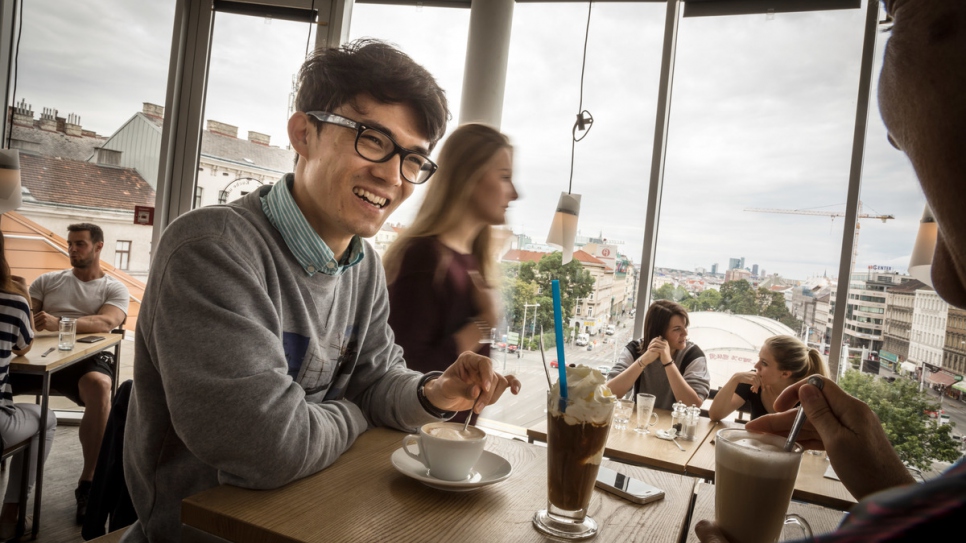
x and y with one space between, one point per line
66 333
623 410
646 416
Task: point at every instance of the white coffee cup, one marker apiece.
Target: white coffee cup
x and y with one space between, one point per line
446 450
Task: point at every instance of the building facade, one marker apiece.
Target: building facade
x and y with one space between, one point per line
900 304
865 312
954 349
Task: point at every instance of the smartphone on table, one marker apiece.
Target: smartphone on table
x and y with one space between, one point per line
627 487
90 339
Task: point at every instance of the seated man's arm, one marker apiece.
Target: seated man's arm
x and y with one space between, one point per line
108 317
212 330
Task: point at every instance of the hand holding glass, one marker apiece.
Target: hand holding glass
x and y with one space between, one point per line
646 416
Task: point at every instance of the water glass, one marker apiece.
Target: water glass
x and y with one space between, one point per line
622 412
67 333
646 416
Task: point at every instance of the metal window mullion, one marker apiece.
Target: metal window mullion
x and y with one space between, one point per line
8 32
184 111
855 182
658 156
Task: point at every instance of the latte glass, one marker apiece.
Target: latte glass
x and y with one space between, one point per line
646 417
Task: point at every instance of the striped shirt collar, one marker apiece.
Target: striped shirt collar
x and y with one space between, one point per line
311 252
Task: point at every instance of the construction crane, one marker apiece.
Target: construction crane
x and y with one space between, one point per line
832 214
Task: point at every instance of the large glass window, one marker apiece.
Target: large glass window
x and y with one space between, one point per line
757 172
90 78
250 96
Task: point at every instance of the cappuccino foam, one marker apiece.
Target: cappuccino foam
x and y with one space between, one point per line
452 432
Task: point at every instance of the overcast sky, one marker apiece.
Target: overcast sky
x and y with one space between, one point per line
762 115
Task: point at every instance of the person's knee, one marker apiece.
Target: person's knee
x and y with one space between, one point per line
95 389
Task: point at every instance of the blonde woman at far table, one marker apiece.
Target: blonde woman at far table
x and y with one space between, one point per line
663 362
17 421
782 361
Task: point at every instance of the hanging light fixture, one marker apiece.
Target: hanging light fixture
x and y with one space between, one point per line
9 180
563 229
920 265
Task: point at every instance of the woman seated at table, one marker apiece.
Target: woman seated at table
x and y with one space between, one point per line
17 421
782 361
440 271
663 363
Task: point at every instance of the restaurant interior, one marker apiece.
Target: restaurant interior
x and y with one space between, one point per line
484 67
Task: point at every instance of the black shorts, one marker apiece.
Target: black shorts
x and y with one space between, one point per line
63 382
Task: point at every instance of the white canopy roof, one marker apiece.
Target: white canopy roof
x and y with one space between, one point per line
731 342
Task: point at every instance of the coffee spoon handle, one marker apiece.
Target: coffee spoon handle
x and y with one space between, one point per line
799 421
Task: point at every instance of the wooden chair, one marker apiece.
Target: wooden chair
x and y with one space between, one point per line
25 477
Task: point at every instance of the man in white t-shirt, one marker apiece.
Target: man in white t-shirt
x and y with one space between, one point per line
99 303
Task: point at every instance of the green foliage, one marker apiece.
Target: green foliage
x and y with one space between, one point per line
901 408
529 283
741 298
667 292
706 300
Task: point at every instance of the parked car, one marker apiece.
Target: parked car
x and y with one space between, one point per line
511 348
553 363
582 339
610 330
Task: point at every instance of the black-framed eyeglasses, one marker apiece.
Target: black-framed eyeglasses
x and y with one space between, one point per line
375 145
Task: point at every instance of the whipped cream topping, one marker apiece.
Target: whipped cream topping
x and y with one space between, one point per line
589 399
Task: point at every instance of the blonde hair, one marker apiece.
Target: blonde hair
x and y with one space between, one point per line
792 355
462 163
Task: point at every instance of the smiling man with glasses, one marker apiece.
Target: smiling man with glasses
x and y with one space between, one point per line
263 348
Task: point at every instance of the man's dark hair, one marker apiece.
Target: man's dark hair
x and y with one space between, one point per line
97 235
330 78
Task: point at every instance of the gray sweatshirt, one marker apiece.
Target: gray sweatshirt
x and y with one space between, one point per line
249 372
653 379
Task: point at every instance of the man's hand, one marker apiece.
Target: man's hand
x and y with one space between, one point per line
844 426
462 383
708 532
46 321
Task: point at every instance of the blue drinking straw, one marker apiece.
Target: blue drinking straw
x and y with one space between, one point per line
558 333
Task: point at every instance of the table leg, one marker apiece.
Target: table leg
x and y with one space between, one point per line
41 453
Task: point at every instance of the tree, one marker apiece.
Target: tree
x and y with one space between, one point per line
575 282
738 297
516 292
902 410
706 300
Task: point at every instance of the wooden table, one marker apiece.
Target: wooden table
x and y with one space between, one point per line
34 363
646 450
820 519
361 497
812 486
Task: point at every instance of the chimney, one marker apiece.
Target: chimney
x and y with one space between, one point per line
222 129
48 119
73 126
23 114
259 138
153 110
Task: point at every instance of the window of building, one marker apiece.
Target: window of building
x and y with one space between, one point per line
198 192
122 255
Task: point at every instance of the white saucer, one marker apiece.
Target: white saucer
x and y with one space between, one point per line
664 434
489 469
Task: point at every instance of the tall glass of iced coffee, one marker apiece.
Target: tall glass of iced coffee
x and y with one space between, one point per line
576 437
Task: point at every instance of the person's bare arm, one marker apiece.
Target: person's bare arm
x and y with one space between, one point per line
108 317
625 380
726 401
679 386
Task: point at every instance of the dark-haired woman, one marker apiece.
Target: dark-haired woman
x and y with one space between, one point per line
663 363
782 361
17 421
